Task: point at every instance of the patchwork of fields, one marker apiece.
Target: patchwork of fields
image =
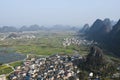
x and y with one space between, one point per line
45 43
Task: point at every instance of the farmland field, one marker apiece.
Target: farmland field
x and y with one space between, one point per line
45 43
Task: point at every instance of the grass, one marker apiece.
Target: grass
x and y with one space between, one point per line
83 50
42 45
5 69
15 64
40 50
46 43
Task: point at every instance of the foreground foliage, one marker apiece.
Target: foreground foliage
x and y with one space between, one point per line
5 69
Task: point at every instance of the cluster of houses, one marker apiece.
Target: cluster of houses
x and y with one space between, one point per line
19 35
78 42
55 67
24 37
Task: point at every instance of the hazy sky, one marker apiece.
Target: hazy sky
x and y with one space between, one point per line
50 12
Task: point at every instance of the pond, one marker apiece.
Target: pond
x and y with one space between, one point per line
10 57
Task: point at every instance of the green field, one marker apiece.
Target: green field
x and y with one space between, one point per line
46 43
15 64
42 46
5 69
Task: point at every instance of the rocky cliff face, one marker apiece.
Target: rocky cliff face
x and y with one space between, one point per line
116 29
99 30
95 57
114 39
85 28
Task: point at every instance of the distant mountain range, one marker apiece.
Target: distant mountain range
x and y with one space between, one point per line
107 33
37 28
99 30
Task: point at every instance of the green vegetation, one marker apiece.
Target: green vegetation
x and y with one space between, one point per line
46 43
17 63
5 69
40 50
83 50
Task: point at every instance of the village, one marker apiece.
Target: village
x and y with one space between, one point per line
77 41
17 35
54 67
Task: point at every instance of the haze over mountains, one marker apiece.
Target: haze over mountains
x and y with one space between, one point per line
105 32
36 27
